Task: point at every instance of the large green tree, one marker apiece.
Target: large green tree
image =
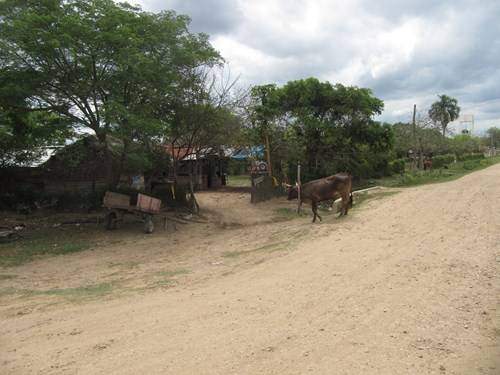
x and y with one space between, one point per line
423 139
462 144
26 133
335 128
25 137
107 67
444 111
329 128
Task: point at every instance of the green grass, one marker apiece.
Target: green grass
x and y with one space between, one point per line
26 250
165 279
8 291
272 247
239 181
127 265
454 171
172 273
7 277
83 292
164 283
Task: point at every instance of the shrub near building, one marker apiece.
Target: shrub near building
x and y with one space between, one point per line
440 161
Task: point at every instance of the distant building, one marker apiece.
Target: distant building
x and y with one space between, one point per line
208 166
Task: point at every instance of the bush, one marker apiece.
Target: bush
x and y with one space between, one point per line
472 156
77 200
398 166
471 164
442 160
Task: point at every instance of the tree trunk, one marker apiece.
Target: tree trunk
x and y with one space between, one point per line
192 202
268 156
196 170
115 173
174 164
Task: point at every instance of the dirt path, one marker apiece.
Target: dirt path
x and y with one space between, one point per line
409 284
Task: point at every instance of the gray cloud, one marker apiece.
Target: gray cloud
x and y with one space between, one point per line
208 16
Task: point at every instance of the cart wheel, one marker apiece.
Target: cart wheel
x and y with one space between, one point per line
148 224
111 220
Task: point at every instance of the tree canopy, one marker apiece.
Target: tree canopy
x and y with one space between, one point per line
105 67
329 128
444 111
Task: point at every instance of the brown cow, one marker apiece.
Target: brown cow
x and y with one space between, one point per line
324 189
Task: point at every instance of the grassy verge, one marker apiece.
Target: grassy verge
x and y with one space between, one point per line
239 181
164 279
272 247
7 277
28 249
454 171
83 292
171 273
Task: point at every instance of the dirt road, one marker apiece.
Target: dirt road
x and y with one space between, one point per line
408 284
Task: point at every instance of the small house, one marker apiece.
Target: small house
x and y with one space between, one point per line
207 167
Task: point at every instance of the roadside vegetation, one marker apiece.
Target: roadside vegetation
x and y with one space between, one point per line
239 181
449 172
41 244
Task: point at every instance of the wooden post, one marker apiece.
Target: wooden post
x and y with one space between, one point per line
299 186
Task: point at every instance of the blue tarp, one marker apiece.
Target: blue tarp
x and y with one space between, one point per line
252 152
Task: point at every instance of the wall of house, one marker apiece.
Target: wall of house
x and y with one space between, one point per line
55 187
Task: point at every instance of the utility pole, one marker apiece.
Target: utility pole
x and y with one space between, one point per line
414 136
414 124
299 186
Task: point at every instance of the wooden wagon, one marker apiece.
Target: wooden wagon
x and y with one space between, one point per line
118 205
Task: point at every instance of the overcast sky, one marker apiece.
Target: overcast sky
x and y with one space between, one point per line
407 52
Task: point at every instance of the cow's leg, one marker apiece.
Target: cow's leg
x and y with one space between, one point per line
347 200
345 205
314 206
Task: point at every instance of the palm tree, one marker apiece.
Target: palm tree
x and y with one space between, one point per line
444 111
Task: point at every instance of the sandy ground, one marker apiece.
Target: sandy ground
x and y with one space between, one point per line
406 284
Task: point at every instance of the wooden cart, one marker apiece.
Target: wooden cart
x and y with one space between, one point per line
118 205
